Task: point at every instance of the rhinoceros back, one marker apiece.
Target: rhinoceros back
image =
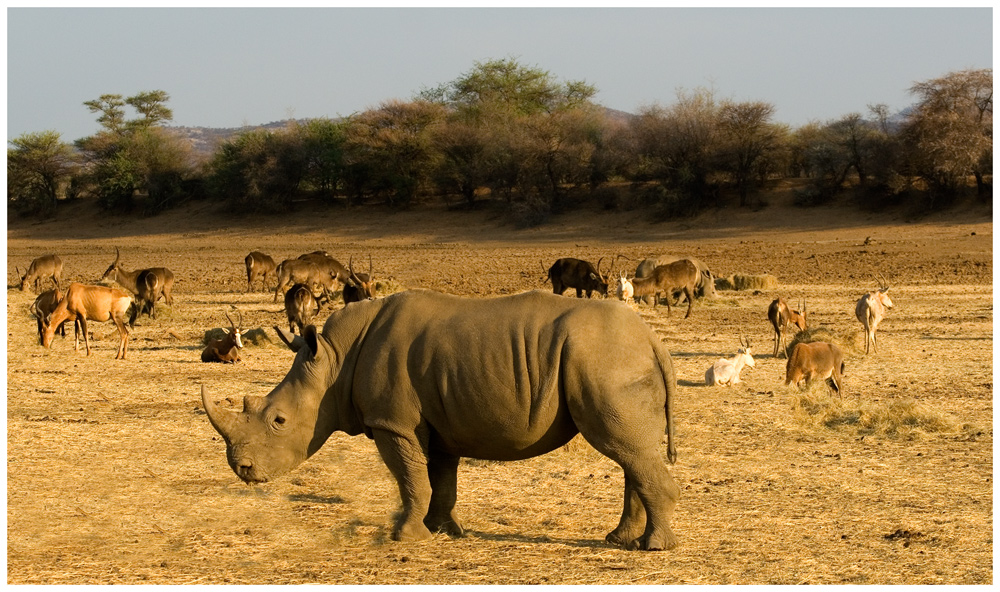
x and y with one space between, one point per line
504 378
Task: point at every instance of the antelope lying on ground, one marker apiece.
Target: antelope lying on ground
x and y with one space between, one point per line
781 316
578 274
259 265
360 286
300 306
147 284
43 307
664 279
42 267
97 303
228 348
871 309
818 360
727 372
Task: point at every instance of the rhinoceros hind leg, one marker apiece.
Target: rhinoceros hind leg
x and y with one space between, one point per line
633 520
443 473
406 461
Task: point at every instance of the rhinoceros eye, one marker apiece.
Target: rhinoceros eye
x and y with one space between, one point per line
279 420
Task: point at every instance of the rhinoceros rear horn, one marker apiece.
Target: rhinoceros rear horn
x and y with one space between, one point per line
223 421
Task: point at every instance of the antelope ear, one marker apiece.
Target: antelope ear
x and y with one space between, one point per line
593 277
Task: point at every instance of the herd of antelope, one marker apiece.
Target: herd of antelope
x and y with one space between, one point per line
310 280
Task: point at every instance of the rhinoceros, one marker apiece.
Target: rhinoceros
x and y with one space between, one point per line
433 377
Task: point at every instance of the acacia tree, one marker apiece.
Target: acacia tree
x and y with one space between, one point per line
390 150
527 139
133 156
748 136
951 130
39 165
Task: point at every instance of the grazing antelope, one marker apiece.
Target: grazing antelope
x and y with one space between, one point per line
43 307
259 265
42 267
360 286
147 284
818 360
781 316
727 372
681 274
871 309
578 274
300 306
313 269
97 303
227 349
703 288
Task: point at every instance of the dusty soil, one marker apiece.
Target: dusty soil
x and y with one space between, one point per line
114 474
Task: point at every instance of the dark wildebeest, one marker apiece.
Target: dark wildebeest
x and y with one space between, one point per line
579 274
432 378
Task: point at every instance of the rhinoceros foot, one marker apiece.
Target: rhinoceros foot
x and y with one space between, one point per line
653 542
450 526
409 532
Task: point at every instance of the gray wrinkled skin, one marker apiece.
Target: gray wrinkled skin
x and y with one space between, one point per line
433 378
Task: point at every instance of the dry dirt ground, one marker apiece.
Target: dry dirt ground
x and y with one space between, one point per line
114 474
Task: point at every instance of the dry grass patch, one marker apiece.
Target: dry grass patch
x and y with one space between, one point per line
906 419
742 282
849 342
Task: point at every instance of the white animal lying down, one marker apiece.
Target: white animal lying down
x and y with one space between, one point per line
727 372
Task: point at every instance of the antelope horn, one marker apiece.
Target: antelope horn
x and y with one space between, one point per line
370 276
231 323
601 275
350 268
118 256
241 319
223 421
883 282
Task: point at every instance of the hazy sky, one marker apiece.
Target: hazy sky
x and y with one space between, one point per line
228 67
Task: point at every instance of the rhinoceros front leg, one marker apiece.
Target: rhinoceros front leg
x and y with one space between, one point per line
407 462
443 472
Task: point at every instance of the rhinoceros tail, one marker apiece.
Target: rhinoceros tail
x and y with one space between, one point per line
670 383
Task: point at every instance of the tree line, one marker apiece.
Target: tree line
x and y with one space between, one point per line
532 144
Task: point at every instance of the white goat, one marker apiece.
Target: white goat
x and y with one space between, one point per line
624 289
727 372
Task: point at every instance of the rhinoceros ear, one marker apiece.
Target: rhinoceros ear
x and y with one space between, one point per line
310 336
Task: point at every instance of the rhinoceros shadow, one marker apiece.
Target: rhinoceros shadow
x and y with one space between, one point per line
316 499
539 539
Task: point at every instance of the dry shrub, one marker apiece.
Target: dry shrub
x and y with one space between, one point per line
741 281
899 418
850 344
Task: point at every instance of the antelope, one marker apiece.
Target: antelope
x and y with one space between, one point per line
818 360
361 286
43 307
703 288
314 269
666 278
579 274
781 316
227 349
300 306
259 265
40 268
98 303
727 372
624 289
147 284
871 309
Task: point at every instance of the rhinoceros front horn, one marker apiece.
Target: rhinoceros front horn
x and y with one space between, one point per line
223 421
